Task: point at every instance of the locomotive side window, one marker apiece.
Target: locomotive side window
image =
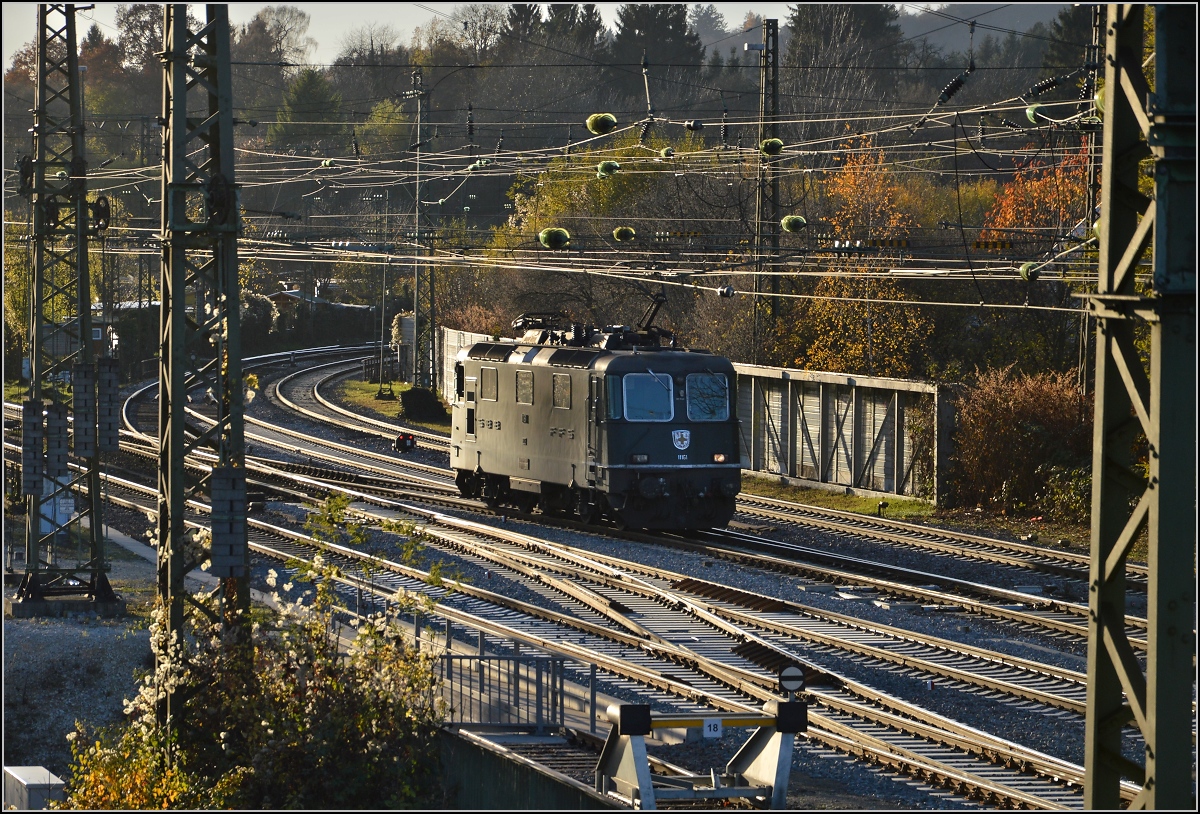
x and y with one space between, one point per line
459 380
614 396
707 397
649 397
487 383
562 391
524 387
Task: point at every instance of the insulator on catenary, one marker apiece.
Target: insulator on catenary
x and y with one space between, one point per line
1043 86
623 233
954 87
793 223
725 291
606 168
644 131
771 146
1029 271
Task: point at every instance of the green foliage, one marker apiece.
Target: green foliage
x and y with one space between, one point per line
1013 432
310 113
387 129
276 718
18 271
331 523
1067 494
258 317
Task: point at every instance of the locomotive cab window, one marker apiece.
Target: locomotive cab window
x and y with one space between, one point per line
562 390
487 384
460 383
524 387
614 396
649 397
707 397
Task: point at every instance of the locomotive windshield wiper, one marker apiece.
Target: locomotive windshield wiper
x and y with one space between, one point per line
660 382
724 382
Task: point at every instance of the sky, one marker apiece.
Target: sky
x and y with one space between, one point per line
331 22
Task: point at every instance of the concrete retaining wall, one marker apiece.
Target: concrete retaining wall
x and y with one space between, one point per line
485 776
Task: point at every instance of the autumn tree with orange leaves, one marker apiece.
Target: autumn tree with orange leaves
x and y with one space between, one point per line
855 324
1041 204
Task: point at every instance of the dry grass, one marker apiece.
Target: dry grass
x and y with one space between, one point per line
361 396
898 508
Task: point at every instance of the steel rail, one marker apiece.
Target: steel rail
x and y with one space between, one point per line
1020 555
734 552
366 423
747 683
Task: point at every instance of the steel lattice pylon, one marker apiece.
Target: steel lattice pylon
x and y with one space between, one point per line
1158 405
60 347
201 349
766 209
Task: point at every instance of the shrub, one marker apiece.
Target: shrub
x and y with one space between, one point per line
1013 431
419 404
1067 494
274 718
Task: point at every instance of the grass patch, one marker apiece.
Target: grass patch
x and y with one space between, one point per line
897 508
15 392
360 396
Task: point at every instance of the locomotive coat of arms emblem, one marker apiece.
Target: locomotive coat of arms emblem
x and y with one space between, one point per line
682 438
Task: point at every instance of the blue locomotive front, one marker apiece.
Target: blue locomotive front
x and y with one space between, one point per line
598 424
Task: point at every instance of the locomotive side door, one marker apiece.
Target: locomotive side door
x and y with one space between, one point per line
593 427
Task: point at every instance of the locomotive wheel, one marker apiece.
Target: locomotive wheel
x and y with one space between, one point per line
587 508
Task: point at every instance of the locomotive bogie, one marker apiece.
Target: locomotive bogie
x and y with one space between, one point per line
647 438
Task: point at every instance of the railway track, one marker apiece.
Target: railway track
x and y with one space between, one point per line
710 666
731 615
1019 555
1025 610
301 393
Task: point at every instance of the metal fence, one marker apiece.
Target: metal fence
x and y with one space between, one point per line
522 692
851 432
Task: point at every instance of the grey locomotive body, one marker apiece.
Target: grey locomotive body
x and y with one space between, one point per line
598 423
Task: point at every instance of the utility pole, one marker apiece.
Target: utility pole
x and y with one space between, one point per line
766 209
200 333
424 368
60 340
1159 404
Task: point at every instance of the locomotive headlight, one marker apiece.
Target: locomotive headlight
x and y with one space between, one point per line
718 457
639 459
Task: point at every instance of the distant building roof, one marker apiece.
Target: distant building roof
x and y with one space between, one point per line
298 295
